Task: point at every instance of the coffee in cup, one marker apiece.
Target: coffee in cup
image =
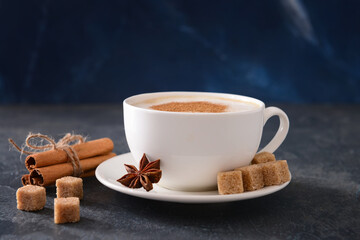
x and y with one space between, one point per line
195 103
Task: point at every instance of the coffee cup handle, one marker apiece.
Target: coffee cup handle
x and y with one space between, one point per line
281 132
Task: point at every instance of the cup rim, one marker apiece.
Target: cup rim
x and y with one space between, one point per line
261 104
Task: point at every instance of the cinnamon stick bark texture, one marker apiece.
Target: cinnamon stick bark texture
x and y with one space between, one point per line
46 176
85 150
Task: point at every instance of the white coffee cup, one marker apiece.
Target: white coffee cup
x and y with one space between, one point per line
194 147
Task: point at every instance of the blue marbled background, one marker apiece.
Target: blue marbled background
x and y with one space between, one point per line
87 51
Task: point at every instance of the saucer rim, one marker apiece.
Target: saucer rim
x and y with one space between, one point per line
180 196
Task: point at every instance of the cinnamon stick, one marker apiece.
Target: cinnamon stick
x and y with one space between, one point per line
57 156
25 179
46 176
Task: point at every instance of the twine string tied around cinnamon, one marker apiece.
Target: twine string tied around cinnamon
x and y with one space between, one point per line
63 144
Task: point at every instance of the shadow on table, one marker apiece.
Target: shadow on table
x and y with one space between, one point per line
207 212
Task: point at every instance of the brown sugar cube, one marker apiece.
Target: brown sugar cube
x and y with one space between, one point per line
66 210
31 198
69 187
284 170
271 173
230 182
263 157
252 177
275 173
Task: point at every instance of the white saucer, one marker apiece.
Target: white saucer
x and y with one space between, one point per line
111 170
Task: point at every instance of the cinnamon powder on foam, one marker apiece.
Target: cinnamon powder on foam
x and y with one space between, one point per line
199 106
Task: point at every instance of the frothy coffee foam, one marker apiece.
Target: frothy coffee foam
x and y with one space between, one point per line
232 105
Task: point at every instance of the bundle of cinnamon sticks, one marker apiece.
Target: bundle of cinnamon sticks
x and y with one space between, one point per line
45 167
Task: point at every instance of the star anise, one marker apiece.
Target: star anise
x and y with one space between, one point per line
148 174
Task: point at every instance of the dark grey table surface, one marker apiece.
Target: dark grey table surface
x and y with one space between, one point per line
321 202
